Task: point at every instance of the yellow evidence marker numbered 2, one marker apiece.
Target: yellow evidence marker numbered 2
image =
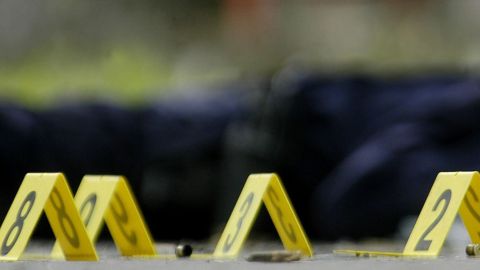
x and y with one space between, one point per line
269 189
49 192
452 193
110 198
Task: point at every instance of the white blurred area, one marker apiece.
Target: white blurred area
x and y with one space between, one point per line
131 49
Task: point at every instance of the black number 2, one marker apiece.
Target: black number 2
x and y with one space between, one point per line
19 221
290 232
121 218
244 209
423 244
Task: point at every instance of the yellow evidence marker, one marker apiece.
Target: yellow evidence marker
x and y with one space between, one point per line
49 192
269 189
110 198
452 193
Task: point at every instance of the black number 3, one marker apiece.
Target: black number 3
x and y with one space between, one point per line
244 209
425 244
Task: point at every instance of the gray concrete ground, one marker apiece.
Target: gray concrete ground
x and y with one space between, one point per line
453 256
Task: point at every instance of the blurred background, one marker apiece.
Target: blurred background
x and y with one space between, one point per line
354 103
134 50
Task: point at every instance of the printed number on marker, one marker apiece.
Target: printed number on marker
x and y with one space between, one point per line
423 244
244 209
290 232
122 219
90 201
470 207
18 224
63 218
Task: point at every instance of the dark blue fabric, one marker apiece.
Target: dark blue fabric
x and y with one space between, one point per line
177 141
369 149
356 153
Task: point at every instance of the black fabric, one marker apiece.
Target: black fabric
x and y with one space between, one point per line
169 150
356 153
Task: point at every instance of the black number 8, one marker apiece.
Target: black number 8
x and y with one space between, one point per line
245 207
425 244
290 232
64 218
92 201
19 221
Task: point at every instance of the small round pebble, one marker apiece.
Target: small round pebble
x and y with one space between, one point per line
183 251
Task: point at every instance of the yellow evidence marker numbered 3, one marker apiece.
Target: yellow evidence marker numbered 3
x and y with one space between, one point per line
49 192
110 198
452 193
269 189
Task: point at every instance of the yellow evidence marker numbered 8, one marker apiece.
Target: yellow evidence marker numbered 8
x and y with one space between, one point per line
269 189
110 198
451 193
49 192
